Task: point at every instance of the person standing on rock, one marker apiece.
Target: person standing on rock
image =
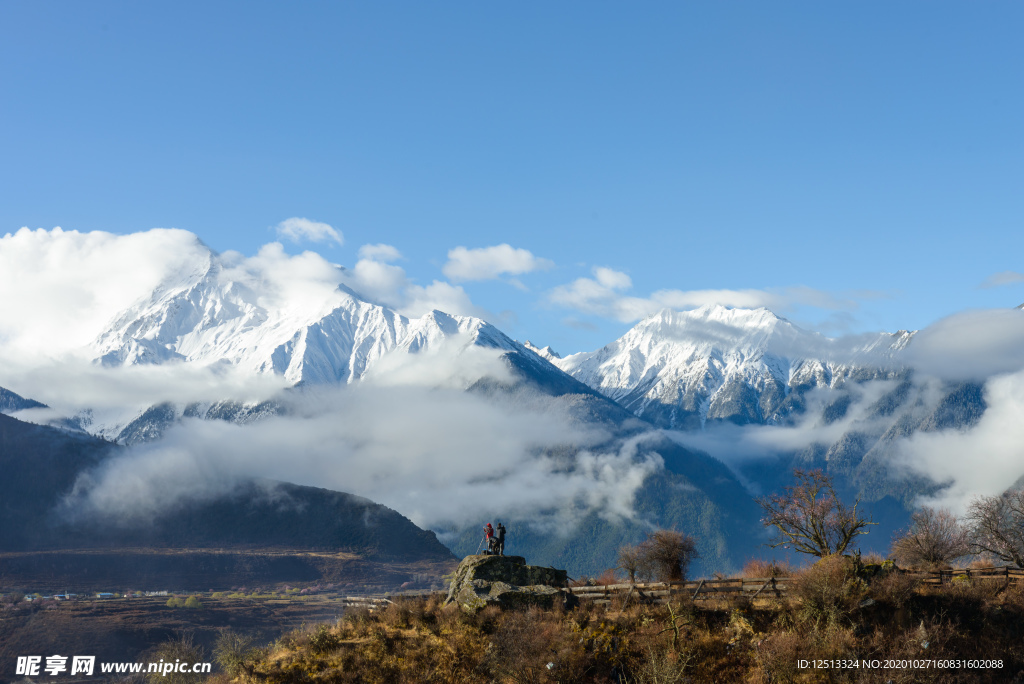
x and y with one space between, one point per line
500 547
488 535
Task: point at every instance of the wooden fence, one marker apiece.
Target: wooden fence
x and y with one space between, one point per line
371 602
945 576
660 592
758 587
752 587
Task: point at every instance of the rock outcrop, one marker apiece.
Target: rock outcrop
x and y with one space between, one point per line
506 581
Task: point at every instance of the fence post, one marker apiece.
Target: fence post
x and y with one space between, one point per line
759 590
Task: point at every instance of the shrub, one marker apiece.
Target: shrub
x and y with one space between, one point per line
873 558
659 666
175 602
181 648
667 554
761 568
934 540
894 588
629 561
232 650
777 655
829 590
323 640
193 602
358 619
397 615
518 645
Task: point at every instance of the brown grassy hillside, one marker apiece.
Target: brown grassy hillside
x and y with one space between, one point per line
831 615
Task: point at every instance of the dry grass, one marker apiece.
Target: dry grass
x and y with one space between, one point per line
762 568
873 558
832 614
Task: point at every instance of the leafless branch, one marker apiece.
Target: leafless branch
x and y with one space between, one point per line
810 517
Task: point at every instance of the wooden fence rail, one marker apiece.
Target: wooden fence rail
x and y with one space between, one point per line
660 592
755 587
371 602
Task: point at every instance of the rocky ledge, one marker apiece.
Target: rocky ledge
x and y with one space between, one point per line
506 581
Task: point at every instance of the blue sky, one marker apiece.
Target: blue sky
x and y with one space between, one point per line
861 165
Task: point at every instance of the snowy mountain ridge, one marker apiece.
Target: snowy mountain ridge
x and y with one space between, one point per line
208 316
680 369
675 369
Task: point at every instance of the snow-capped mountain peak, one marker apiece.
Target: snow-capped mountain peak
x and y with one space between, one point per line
314 332
545 352
682 368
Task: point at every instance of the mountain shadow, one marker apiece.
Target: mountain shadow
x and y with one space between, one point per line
41 466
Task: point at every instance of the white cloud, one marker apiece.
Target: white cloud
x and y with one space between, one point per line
488 263
983 460
379 252
734 444
378 281
114 396
443 297
456 363
970 345
293 286
58 289
440 456
297 229
1003 278
389 285
604 295
612 279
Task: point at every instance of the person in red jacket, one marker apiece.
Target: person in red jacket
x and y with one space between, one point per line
488 535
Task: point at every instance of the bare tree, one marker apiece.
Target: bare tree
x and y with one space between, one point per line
998 526
667 554
935 539
811 518
629 560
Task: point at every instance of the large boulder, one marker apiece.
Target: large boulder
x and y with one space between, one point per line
505 581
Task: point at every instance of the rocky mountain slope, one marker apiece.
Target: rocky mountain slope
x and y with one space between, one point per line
11 402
